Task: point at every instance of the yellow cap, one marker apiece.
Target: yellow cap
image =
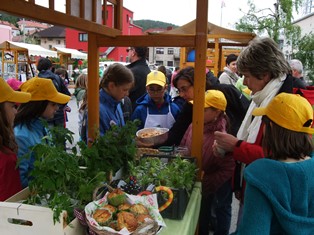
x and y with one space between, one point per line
8 94
43 89
156 77
290 111
215 99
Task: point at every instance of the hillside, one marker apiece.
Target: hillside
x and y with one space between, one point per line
148 24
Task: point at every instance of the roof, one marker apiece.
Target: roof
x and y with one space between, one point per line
75 54
32 49
32 24
52 32
190 28
2 22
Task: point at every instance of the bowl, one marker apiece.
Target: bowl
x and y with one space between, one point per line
152 136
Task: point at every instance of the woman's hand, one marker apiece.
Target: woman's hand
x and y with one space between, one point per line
225 141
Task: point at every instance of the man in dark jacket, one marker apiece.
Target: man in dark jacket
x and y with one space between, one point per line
140 70
44 67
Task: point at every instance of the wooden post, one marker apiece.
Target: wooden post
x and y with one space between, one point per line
93 86
199 81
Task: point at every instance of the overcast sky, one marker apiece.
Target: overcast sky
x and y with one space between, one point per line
180 12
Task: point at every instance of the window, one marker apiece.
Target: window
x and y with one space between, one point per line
83 37
58 42
169 63
170 51
159 62
159 50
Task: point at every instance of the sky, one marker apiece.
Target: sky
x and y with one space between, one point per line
180 12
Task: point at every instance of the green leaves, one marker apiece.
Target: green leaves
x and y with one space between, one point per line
177 173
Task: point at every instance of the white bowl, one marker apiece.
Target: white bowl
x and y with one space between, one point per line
153 136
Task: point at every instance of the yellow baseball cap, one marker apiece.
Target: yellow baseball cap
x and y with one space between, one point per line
8 94
290 111
156 77
43 89
215 99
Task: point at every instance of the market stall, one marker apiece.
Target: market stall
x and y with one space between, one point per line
67 55
17 59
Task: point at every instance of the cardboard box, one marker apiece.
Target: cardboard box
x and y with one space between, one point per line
36 220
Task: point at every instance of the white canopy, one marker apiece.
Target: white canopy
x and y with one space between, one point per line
34 50
75 54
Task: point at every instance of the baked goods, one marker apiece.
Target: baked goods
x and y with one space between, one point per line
126 220
124 207
110 208
142 217
116 197
150 134
139 209
102 216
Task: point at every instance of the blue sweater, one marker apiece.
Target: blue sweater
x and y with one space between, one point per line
27 138
110 112
279 198
145 102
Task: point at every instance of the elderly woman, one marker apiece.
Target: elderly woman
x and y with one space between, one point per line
265 73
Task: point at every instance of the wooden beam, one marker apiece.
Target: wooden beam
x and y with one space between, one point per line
148 40
94 10
82 9
118 15
68 7
43 14
51 4
199 82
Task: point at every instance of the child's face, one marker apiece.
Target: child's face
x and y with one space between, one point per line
210 115
120 91
156 93
10 110
50 110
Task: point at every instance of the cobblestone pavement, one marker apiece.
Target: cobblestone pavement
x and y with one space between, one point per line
72 125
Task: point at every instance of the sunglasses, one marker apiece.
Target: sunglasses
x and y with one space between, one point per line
129 49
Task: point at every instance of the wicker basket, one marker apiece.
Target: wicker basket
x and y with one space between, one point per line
148 228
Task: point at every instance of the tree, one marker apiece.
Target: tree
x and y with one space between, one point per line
305 53
272 21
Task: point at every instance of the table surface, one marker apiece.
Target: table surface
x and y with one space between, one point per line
187 225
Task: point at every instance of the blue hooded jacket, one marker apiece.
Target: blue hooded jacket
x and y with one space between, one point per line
145 102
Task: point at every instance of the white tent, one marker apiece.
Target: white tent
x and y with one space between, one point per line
75 54
33 50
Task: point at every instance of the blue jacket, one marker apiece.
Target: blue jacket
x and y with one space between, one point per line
279 198
26 138
145 102
110 112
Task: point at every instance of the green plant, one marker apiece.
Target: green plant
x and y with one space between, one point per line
177 173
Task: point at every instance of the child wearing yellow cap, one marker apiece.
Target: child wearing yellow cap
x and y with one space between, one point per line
10 182
216 181
155 108
279 191
28 127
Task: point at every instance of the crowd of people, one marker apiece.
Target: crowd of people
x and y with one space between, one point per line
257 133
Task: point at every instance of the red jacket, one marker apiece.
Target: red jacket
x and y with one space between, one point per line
10 182
217 170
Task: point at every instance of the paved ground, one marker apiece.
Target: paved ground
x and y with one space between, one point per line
72 125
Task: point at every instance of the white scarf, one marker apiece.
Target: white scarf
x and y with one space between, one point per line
249 129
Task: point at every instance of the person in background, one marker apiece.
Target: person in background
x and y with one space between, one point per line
63 74
230 76
28 126
155 109
10 182
114 86
140 69
173 90
75 74
217 171
80 88
167 73
297 72
279 191
265 72
44 67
